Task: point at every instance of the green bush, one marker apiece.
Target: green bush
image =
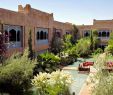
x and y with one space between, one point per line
15 74
109 49
69 56
46 62
99 50
83 47
66 61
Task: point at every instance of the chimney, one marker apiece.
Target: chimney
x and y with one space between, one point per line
27 8
20 8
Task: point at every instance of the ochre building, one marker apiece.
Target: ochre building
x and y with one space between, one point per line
103 27
17 25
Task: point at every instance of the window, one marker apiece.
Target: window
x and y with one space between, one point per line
38 35
102 46
45 35
104 34
13 36
6 36
86 34
42 34
108 34
68 32
99 34
18 35
58 34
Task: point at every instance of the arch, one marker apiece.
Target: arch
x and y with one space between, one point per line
6 36
12 35
86 34
41 35
58 34
45 35
108 34
104 34
99 34
38 35
18 35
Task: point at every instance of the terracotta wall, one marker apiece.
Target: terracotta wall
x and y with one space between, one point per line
30 19
98 25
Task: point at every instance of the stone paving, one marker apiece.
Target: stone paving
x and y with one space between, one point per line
70 68
86 89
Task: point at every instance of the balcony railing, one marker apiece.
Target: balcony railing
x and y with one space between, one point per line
103 38
13 45
42 42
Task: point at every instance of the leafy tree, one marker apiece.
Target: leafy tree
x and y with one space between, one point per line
110 42
30 55
56 44
109 48
67 41
83 47
94 40
74 34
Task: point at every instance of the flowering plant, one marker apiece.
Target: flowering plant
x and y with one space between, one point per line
52 84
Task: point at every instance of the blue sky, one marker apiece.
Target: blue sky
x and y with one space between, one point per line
74 11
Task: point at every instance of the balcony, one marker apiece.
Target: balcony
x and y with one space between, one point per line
13 45
42 42
103 38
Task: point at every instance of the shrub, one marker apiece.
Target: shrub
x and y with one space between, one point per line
66 60
109 49
102 80
99 50
83 47
69 56
56 44
46 62
52 84
15 74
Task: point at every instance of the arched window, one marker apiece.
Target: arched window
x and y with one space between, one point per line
86 34
45 35
18 35
108 34
38 35
12 35
58 34
104 34
41 35
6 36
99 34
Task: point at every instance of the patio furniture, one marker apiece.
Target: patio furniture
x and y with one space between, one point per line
82 68
88 63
